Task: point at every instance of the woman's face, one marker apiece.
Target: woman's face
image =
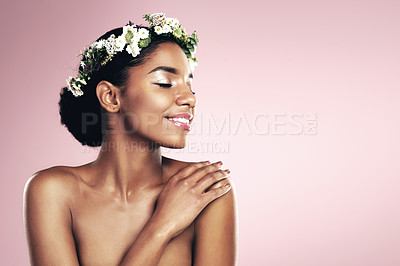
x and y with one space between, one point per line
157 91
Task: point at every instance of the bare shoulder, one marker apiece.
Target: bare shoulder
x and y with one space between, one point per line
226 203
216 227
216 231
57 181
172 166
47 216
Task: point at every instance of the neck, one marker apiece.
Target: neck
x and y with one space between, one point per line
126 164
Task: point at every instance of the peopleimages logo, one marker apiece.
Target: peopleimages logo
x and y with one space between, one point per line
283 123
207 124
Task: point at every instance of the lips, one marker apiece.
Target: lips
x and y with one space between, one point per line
181 120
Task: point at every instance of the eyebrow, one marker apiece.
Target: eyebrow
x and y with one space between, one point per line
168 69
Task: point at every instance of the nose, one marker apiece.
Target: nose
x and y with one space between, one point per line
186 97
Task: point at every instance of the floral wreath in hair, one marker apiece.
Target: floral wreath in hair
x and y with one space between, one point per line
132 40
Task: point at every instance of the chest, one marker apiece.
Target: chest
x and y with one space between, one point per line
105 229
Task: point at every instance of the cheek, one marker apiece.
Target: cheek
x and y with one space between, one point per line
148 100
151 107
157 102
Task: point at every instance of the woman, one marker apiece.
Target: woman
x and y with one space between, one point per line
132 206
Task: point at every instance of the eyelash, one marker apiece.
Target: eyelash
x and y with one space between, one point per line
167 85
164 85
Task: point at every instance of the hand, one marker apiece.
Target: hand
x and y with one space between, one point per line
187 193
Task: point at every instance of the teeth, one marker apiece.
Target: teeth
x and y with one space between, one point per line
180 119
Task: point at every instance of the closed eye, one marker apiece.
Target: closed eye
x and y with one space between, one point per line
163 85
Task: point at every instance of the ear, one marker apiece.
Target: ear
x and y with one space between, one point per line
108 96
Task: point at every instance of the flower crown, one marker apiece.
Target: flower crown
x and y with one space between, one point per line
132 40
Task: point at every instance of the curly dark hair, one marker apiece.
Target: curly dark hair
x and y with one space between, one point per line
83 115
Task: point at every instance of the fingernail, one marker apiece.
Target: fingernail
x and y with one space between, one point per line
227 171
227 185
219 163
207 162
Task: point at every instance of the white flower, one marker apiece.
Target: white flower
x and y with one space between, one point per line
131 34
157 19
143 33
158 29
173 22
127 28
75 86
82 64
69 80
120 43
135 37
81 81
110 45
133 49
166 29
72 87
99 44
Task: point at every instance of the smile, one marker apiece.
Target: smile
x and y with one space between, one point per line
181 120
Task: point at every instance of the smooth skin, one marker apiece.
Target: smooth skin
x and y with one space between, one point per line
132 206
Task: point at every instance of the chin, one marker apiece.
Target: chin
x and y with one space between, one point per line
178 143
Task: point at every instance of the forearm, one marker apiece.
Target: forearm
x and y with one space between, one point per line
148 246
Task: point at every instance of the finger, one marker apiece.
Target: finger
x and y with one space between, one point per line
217 192
212 178
203 171
189 169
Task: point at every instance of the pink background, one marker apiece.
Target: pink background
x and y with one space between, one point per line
324 197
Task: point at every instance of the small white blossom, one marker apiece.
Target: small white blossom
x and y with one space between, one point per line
132 34
75 86
158 29
81 81
99 44
157 19
110 45
120 43
166 29
69 80
133 49
143 33
173 22
127 28
72 87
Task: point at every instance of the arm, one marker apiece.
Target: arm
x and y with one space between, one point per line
216 233
182 199
48 221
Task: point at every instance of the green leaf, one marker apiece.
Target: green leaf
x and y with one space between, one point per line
177 33
128 37
144 42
